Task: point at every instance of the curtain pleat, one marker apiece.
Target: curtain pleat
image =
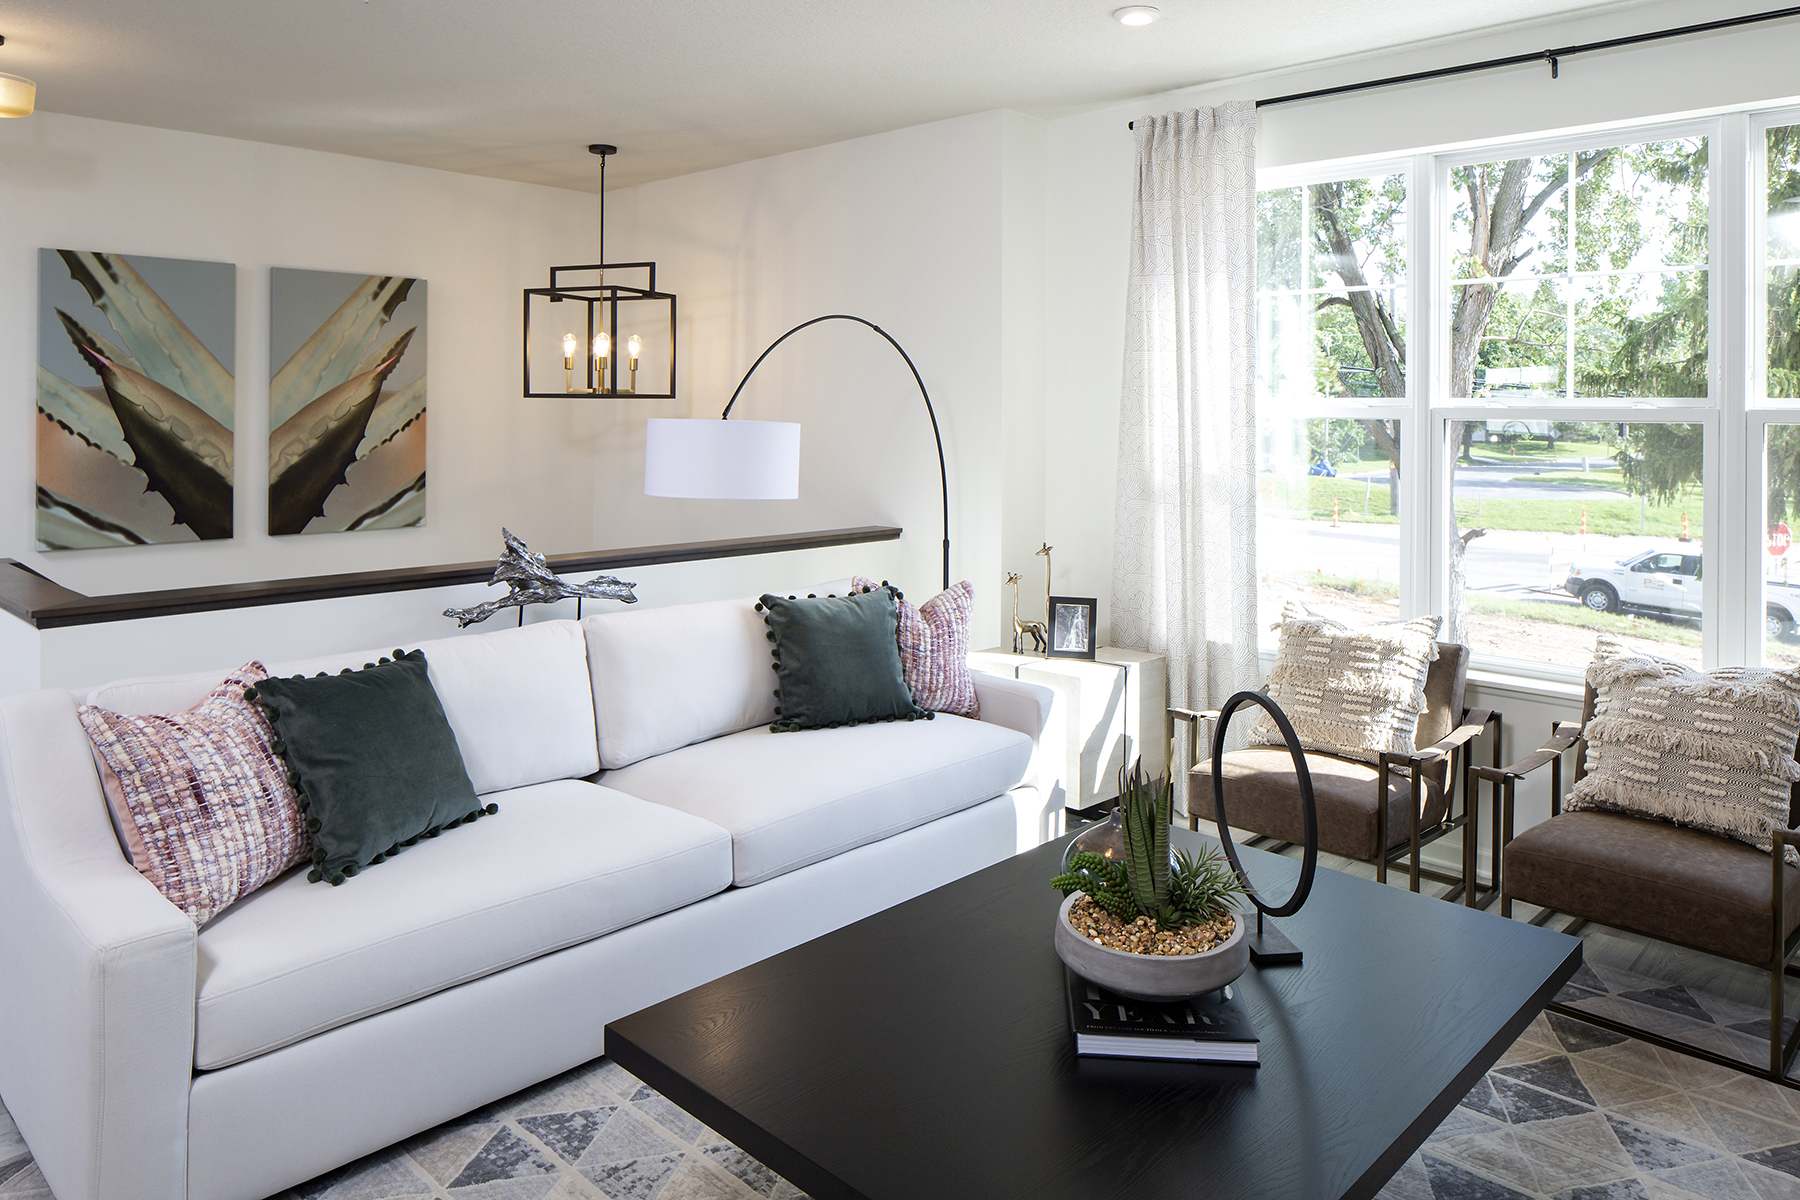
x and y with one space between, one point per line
1184 561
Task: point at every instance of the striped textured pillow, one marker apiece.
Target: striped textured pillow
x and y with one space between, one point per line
1712 750
1349 692
934 648
201 797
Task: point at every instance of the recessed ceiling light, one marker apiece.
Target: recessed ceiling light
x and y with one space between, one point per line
1136 14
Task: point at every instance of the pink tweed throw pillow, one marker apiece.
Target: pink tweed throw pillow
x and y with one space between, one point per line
201 796
934 648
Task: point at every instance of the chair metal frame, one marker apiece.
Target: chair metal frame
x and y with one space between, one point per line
1569 735
1454 745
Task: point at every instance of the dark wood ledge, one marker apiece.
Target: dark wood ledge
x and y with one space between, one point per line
48 605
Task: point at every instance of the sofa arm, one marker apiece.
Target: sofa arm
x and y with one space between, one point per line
1014 704
97 996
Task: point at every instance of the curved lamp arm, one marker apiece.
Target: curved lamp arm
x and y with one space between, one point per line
943 475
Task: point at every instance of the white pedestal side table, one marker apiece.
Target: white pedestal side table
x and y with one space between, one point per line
1108 713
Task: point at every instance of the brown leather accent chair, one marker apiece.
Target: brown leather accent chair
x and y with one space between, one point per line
1262 793
1654 878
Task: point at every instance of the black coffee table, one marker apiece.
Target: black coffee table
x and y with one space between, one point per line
925 1051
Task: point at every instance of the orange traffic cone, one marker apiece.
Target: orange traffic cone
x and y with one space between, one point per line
1684 529
1584 520
1334 514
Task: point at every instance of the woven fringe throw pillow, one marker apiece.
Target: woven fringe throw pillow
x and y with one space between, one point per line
1712 750
934 648
1349 692
201 797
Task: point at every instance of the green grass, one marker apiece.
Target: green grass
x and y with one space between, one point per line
1614 479
1525 451
1357 587
1582 618
1611 517
1311 499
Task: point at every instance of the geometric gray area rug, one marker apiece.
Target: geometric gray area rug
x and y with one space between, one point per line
1689 1015
594 1133
1570 1112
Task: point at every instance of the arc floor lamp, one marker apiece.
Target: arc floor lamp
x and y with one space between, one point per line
697 458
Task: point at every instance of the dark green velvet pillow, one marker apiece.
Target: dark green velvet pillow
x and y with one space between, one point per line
373 759
837 660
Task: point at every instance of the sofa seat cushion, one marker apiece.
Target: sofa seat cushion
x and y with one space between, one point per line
1650 877
1263 796
563 863
790 799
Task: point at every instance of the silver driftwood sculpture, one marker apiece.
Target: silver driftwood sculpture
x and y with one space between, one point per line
533 582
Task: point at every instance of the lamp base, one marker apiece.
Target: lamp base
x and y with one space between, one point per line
1269 947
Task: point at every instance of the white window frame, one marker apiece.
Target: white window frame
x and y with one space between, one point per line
1734 415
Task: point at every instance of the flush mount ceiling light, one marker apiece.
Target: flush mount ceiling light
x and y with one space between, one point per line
621 319
1136 14
18 95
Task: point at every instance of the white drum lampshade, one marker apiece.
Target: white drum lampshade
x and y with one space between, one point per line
721 460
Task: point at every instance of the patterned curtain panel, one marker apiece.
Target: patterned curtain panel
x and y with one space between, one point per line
1184 562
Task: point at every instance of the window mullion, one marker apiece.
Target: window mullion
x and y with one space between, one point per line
1422 568
1733 592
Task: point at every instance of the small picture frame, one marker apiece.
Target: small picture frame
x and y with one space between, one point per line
1070 623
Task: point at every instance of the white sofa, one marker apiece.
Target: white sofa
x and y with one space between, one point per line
652 835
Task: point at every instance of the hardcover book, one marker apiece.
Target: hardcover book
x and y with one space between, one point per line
1215 1027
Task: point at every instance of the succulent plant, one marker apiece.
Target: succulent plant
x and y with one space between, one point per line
1192 889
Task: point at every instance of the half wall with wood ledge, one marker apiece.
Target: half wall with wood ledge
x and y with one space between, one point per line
53 636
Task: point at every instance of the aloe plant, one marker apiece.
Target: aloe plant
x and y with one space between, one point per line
1193 889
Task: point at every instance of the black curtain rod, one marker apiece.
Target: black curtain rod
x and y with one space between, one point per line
1513 60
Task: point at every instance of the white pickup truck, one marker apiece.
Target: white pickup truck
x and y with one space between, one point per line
1668 581
1660 580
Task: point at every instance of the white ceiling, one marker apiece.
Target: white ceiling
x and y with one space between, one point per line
516 88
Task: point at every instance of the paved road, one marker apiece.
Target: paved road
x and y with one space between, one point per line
1503 563
1522 480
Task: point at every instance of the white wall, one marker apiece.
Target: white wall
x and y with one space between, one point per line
492 457
1091 170
904 229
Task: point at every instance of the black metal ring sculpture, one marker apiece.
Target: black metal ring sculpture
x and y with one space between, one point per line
1309 812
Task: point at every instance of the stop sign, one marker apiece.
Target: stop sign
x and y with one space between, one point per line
1780 538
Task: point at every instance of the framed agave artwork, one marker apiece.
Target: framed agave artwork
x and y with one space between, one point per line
135 399
346 401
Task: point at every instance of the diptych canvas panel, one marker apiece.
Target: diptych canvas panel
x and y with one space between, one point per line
346 401
135 399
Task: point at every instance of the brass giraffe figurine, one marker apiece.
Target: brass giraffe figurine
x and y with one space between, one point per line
1039 633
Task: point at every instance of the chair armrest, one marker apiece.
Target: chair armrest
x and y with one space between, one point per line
1193 716
1013 703
1563 736
97 997
1475 720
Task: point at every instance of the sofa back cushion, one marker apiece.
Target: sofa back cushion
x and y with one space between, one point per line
518 699
664 678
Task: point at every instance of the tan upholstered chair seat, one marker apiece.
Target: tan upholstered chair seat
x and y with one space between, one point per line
1663 881
1261 794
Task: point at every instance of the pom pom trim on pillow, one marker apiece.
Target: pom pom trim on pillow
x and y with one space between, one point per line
318 793
806 697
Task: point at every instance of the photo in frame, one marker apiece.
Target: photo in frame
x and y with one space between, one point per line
1071 624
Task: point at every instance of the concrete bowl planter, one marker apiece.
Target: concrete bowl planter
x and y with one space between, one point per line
1153 977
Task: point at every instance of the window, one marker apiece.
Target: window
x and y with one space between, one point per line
1586 413
1332 312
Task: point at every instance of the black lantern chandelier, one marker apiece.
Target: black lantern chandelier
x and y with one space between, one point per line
611 333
